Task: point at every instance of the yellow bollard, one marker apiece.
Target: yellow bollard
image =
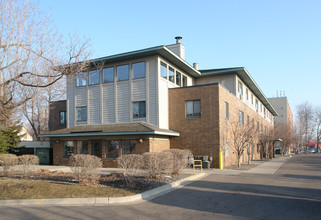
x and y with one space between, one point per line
221 161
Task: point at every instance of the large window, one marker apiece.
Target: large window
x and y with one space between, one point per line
68 148
96 148
226 111
128 146
81 79
178 78
193 109
163 67
62 118
108 75
82 147
171 74
138 70
82 113
139 109
112 148
241 117
94 77
122 72
256 105
184 81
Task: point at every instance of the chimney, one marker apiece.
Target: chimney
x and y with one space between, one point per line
178 39
178 48
195 65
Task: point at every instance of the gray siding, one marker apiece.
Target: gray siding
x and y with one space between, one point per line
139 90
153 73
93 105
108 103
123 102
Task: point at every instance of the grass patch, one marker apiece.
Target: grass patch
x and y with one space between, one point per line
34 189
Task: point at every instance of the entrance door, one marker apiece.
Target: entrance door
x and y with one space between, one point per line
43 154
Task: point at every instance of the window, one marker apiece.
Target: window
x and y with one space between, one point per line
247 94
240 88
193 109
94 77
108 75
227 149
68 148
178 78
252 99
82 147
112 148
163 70
139 109
62 118
82 113
138 70
226 112
122 72
96 148
171 74
184 81
256 105
248 120
241 117
128 146
81 79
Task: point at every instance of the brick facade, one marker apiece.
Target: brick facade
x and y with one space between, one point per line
206 135
54 110
143 144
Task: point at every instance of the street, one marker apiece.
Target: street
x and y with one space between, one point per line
293 192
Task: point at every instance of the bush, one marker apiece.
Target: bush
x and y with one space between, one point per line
130 164
85 168
180 160
158 164
27 164
8 161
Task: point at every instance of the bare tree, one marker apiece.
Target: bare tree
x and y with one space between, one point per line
240 135
305 120
318 125
32 54
285 133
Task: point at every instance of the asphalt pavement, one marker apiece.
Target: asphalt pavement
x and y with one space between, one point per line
291 190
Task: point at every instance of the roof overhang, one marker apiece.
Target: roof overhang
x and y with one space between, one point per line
243 74
162 51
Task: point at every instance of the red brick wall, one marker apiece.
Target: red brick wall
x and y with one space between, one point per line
54 109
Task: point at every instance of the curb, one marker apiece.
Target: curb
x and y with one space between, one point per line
103 201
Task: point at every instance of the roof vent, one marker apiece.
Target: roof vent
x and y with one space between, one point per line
195 65
178 39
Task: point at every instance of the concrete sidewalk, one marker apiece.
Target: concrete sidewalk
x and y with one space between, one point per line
268 167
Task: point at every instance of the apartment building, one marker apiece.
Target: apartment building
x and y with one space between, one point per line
152 100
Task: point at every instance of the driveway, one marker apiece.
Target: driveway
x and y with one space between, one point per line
292 192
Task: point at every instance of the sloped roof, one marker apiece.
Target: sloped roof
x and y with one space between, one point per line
243 74
110 130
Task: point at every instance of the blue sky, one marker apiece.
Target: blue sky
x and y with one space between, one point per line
278 42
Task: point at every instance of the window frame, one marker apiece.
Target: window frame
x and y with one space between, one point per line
171 74
103 72
133 72
194 114
81 107
118 74
109 143
68 152
139 105
92 73
184 81
65 118
163 66
241 118
178 77
81 77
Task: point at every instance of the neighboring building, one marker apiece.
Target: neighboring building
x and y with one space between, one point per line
152 100
284 119
25 135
